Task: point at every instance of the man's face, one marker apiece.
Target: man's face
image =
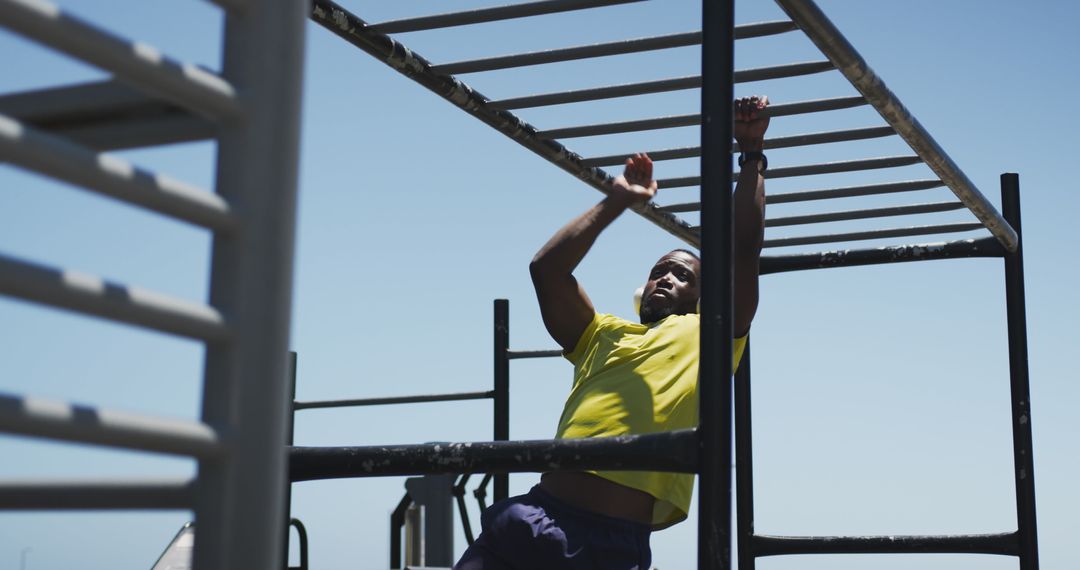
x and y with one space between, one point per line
672 288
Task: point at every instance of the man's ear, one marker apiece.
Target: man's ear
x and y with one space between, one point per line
637 300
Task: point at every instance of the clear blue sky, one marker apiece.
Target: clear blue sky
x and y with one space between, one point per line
881 394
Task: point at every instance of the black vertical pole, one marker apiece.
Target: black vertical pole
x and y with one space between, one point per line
744 465
290 419
714 384
502 388
1016 314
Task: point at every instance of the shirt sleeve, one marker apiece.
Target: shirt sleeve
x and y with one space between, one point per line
587 336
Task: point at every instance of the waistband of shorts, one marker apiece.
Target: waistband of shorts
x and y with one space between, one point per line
550 502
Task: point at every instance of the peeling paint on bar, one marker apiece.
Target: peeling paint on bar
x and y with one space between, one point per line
675 451
982 247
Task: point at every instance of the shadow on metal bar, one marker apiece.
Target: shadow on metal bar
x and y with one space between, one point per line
418 399
668 451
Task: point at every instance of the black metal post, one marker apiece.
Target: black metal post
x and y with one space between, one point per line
290 418
502 388
744 465
397 520
1016 314
714 385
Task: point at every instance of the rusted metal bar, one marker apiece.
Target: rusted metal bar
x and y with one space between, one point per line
982 247
874 234
666 451
1002 543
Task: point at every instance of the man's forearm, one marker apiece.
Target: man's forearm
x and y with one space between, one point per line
565 250
748 205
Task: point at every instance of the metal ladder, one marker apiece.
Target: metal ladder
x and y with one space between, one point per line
252 110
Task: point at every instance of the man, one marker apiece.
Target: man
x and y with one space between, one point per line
629 378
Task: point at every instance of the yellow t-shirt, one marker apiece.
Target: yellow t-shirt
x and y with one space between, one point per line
631 378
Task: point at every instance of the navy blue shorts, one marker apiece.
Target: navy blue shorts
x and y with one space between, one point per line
536 531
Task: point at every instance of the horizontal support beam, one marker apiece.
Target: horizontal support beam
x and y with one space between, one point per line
106 115
187 85
96 495
772 143
318 404
828 38
660 86
517 354
785 109
960 249
605 49
875 234
62 421
352 29
864 214
508 12
1003 543
666 451
111 176
807 170
91 295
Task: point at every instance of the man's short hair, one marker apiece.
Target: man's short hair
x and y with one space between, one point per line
688 252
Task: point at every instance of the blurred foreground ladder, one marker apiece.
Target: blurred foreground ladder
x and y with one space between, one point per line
252 110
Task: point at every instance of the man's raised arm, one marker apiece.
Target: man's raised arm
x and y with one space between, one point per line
566 309
748 205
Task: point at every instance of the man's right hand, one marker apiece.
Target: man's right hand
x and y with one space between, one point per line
636 184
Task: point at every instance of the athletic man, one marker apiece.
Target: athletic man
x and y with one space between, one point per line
629 378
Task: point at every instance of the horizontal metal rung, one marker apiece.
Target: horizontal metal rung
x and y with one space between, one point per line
675 451
1002 543
96 495
91 295
516 354
106 115
956 249
394 400
875 234
773 143
807 170
143 66
605 49
864 214
111 176
660 86
493 14
70 422
797 108
853 191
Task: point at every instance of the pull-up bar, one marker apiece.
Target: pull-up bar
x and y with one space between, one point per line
826 194
496 13
605 49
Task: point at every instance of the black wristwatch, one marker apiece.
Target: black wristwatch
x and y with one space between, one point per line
754 155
